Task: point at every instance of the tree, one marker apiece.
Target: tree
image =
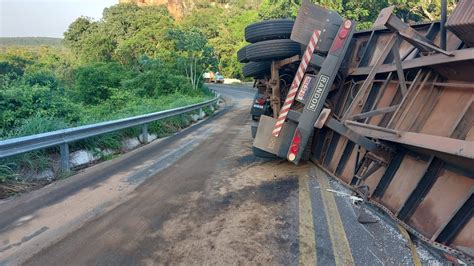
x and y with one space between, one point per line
94 81
363 11
194 54
272 9
154 77
231 39
125 33
76 32
207 20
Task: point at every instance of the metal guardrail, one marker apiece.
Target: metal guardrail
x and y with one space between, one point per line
63 137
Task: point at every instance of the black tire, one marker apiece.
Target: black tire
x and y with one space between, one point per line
263 154
269 30
242 55
256 69
272 50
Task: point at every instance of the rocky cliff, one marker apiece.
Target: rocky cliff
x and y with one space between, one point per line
177 8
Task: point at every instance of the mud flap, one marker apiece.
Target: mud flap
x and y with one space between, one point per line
311 17
264 139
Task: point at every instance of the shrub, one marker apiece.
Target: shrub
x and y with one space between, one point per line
20 101
41 78
154 78
6 68
93 82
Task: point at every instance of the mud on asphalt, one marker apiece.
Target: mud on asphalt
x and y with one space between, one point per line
247 214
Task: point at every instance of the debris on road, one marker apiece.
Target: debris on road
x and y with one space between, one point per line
354 199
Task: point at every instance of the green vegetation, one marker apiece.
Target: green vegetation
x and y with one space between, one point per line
363 11
34 90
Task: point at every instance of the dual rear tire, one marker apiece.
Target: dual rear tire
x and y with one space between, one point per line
269 41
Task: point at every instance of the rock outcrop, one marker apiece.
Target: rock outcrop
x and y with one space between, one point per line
177 8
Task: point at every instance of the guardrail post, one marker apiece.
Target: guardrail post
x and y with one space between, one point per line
201 113
145 133
64 151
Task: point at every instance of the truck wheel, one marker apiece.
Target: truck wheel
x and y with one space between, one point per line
269 30
242 55
272 50
256 69
263 154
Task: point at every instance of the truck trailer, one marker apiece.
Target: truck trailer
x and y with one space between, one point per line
387 111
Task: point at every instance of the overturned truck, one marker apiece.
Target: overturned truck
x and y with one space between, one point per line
387 111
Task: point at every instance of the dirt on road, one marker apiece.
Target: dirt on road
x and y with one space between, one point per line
249 220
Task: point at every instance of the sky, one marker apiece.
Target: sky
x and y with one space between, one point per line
45 18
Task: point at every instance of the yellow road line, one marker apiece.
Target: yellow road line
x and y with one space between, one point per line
307 241
340 245
414 255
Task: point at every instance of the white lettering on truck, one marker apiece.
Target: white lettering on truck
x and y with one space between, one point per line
318 92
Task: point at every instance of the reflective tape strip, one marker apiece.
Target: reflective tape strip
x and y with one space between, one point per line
306 59
308 54
285 110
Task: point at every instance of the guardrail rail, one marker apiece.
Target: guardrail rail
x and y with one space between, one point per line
64 137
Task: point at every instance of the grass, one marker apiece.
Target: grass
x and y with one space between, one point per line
37 125
115 110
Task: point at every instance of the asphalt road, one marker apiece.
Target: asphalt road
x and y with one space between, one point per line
198 197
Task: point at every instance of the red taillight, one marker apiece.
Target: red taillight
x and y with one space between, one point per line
297 137
295 146
345 30
294 149
260 101
343 33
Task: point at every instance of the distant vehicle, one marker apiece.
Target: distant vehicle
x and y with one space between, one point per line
211 77
219 78
207 77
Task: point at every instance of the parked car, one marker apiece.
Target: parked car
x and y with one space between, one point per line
219 78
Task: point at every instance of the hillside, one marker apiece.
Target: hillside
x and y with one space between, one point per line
30 41
180 8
